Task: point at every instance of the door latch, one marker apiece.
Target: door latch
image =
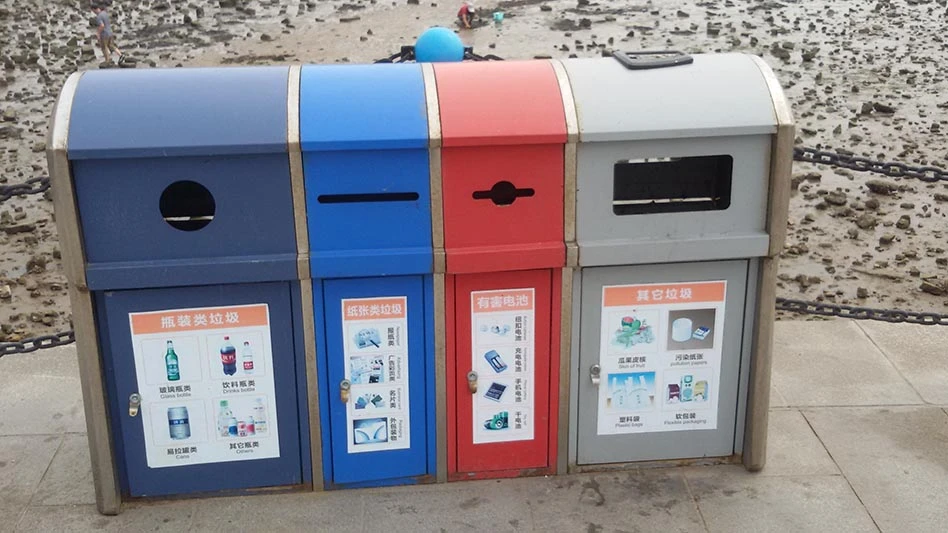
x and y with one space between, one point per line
594 372
472 381
134 402
344 387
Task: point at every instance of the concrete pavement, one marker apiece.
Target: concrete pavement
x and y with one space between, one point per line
858 442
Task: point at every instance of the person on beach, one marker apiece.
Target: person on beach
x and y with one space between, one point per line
103 33
466 14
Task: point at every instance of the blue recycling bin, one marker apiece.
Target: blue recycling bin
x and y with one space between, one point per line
182 184
364 141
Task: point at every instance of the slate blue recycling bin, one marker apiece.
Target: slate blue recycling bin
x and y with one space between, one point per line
183 190
364 138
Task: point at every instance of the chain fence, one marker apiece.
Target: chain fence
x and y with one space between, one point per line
839 159
30 186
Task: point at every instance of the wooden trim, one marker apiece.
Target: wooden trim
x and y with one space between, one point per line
758 398
297 181
63 192
569 162
434 165
781 167
312 382
108 497
440 376
566 337
781 162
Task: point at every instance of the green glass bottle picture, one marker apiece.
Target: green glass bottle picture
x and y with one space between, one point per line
171 364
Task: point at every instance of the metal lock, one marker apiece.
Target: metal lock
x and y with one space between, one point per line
594 372
134 402
472 381
344 387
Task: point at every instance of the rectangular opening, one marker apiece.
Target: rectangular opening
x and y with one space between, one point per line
672 184
367 197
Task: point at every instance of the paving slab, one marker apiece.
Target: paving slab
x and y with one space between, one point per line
69 477
23 461
320 511
793 449
489 505
918 352
172 517
648 500
732 500
896 460
41 393
834 363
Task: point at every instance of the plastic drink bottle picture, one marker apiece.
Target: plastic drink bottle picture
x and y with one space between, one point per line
247 359
229 357
172 369
260 417
223 419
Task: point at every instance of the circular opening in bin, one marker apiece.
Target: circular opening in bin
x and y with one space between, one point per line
187 205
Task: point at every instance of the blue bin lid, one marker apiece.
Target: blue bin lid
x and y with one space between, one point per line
179 112
362 107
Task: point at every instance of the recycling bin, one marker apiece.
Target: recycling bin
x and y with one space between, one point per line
364 139
175 205
502 182
682 189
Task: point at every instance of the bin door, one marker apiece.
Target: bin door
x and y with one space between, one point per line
660 360
376 359
166 346
503 335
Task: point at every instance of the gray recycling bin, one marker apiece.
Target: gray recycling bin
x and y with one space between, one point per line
174 195
681 206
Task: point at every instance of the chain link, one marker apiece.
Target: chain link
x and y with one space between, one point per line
861 313
407 53
30 186
37 343
892 169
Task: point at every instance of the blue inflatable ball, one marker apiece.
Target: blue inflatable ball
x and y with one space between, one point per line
439 45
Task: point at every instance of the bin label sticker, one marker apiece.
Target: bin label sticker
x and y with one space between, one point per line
375 335
206 381
502 338
660 357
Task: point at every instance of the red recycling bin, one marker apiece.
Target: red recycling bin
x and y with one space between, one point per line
502 178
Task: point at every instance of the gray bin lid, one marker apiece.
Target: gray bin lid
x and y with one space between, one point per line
179 112
717 95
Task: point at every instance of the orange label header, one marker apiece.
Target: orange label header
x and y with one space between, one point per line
504 300
375 308
664 293
176 320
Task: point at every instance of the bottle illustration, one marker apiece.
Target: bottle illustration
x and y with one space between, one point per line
232 427
171 364
229 357
247 358
260 417
179 425
223 419
251 426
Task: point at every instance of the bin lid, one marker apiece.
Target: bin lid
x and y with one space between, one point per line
716 95
361 107
500 103
172 112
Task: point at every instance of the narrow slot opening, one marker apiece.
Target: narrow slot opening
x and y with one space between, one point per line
503 193
672 185
187 205
367 197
